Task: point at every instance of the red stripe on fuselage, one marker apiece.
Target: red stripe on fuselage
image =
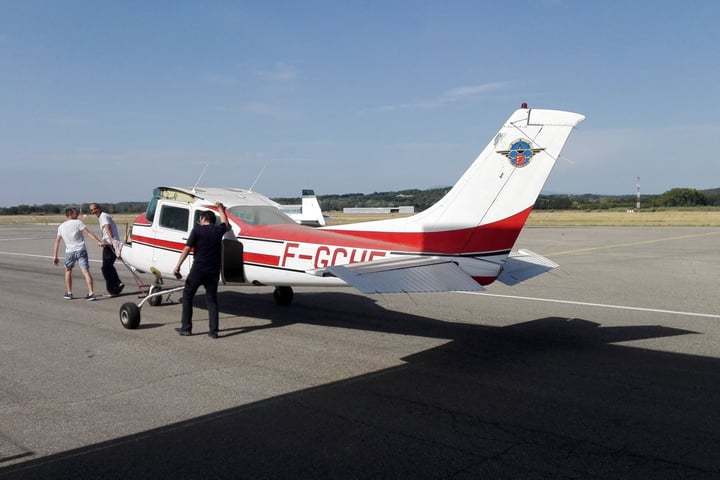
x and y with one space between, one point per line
158 242
303 234
493 237
260 258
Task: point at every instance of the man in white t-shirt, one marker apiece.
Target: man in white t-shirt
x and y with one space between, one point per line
71 233
109 234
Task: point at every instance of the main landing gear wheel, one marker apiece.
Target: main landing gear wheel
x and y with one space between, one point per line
283 295
130 315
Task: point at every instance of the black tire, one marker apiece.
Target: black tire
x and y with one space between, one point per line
283 295
130 315
155 301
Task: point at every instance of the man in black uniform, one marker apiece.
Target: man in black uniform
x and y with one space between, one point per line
206 240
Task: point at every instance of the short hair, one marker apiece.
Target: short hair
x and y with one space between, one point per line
69 211
208 215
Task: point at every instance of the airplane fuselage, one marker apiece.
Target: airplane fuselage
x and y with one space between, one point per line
275 251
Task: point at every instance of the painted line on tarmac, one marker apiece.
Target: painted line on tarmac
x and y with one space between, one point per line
630 244
15 239
25 255
600 305
60 256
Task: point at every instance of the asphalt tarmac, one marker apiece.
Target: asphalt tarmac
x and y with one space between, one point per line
607 367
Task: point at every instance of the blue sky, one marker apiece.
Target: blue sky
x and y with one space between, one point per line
104 100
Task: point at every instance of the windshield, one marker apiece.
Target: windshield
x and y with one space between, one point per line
152 205
260 215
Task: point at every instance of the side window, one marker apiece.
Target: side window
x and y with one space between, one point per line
174 217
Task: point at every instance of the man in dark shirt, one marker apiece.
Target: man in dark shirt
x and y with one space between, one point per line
206 241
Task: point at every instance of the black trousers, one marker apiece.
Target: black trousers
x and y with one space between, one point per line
112 281
209 280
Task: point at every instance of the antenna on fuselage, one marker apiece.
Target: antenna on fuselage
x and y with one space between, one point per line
200 177
257 178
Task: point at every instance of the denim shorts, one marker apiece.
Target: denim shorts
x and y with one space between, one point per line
79 256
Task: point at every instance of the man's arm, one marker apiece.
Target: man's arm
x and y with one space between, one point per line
104 220
55 250
183 256
93 236
223 214
107 231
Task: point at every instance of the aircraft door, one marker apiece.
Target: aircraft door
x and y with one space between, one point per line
172 226
233 270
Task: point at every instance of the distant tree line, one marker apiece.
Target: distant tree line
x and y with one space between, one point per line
422 199
59 209
677 197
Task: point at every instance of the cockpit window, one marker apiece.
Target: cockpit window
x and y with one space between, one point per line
260 215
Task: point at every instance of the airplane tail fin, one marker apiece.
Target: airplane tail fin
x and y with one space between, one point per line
488 206
507 177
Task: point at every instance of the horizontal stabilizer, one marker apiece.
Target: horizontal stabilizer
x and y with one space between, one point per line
523 265
406 274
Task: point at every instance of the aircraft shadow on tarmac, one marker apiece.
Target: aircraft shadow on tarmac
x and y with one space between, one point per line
548 398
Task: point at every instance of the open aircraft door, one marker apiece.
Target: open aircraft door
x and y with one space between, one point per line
233 271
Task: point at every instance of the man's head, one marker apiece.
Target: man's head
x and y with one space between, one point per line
71 212
207 217
95 209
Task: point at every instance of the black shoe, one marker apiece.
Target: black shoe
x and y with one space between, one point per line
120 288
183 333
213 335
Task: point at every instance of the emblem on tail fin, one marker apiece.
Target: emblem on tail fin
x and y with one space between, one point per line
520 153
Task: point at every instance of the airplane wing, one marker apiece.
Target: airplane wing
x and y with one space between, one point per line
406 274
524 264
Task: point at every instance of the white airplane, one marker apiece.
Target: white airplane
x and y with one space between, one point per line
307 213
461 243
